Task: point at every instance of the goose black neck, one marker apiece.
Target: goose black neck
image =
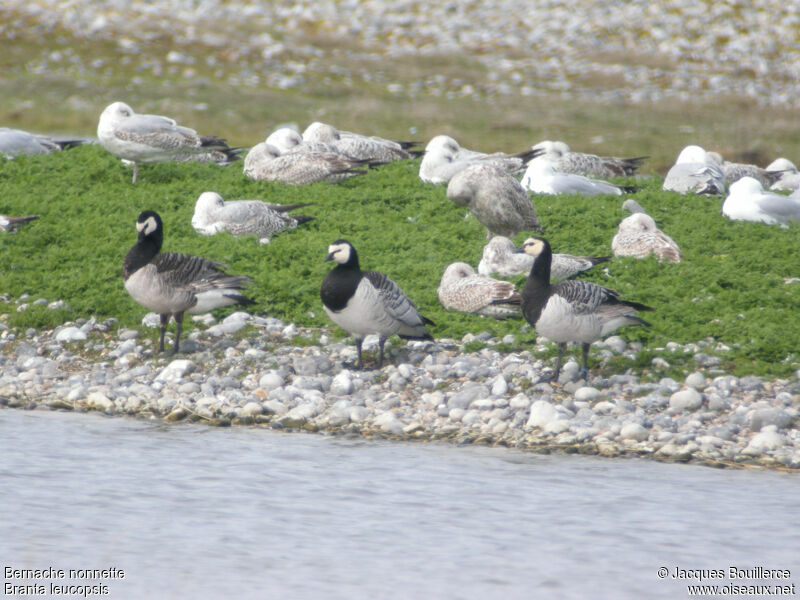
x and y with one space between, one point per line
541 265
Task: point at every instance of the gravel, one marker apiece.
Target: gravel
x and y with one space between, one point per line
602 51
428 391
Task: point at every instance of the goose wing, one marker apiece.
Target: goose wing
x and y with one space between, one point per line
395 302
584 296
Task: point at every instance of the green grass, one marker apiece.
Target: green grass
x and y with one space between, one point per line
729 288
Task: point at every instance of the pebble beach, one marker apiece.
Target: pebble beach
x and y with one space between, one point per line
262 372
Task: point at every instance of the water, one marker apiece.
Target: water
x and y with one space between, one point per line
189 511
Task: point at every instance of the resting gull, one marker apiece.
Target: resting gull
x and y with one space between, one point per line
694 172
541 178
639 237
734 171
590 165
500 257
788 175
265 162
747 201
444 157
212 215
17 141
141 138
495 198
10 224
463 290
355 145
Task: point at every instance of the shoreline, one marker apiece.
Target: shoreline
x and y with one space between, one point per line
248 370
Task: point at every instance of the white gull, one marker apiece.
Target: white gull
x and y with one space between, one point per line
747 201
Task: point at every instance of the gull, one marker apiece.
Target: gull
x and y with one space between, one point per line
639 237
212 215
17 141
444 157
695 172
495 198
463 290
589 165
265 162
141 138
10 224
354 145
734 171
571 311
747 201
368 302
500 257
541 178
788 176
172 284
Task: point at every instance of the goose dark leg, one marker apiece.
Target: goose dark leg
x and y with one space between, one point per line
381 342
357 365
135 171
164 323
585 353
179 322
558 360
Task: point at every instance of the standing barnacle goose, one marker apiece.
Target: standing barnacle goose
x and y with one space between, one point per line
571 311
368 302
172 284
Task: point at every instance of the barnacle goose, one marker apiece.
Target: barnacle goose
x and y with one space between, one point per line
368 302
571 311
172 284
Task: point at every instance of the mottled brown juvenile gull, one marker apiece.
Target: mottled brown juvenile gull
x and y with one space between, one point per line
265 162
444 157
355 145
463 290
694 172
495 198
213 215
141 138
500 257
734 171
639 237
589 165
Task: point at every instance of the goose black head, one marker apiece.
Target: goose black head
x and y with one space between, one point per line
150 227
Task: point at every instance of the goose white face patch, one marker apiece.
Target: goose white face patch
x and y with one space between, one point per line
533 246
148 227
339 253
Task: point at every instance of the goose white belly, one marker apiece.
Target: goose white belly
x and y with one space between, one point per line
145 287
364 314
559 323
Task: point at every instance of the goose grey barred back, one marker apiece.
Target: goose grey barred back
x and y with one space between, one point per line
500 257
571 311
638 236
495 198
141 138
368 302
213 215
463 290
589 165
265 162
172 284
10 224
